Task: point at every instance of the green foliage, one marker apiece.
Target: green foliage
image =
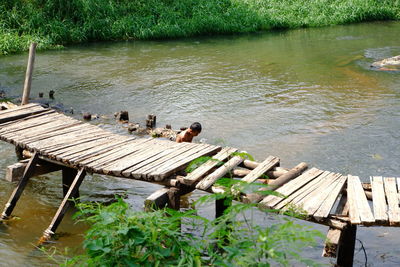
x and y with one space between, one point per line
120 236
58 22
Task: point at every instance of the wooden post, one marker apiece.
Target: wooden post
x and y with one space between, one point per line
20 187
157 200
63 207
221 205
28 76
174 198
346 248
68 175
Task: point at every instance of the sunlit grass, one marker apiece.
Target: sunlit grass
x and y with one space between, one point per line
56 22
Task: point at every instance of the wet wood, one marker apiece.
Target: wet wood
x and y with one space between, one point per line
210 179
379 199
345 253
29 170
205 168
29 73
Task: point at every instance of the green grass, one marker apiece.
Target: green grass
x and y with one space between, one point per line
53 23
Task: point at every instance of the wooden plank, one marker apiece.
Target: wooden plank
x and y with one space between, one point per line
332 242
144 158
162 173
18 114
210 179
379 199
66 153
30 122
80 156
25 141
98 164
354 214
392 199
199 172
360 211
326 207
297 198
312 201
262 168
181 151
17 108
292 186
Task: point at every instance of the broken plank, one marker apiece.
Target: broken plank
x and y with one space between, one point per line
210 179
262 168
198 173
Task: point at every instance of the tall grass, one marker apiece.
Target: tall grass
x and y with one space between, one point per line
60 22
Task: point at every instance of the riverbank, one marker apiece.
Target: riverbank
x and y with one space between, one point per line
53 23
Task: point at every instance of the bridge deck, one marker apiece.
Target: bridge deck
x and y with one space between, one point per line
82 145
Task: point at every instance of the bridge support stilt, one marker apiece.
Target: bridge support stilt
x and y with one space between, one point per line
221 205
346 247
73 189
28 173
68 175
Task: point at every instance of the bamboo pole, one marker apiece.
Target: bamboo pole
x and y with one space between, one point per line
28 75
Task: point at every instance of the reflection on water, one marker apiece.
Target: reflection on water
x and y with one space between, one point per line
303 95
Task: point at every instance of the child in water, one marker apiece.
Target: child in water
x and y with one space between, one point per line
188 134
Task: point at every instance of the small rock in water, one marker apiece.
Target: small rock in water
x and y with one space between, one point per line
390 64
51 94
87 116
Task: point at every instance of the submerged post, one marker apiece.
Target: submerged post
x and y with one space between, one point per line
28 75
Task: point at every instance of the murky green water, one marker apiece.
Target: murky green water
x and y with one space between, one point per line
303 95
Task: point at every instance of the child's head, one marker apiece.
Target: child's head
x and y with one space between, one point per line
195 129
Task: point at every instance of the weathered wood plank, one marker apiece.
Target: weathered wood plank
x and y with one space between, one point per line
297 198
167 160
157 200
162 173
327 205
210 179
379 199
151 157
262 168
202 170
360 211
392 199
287 189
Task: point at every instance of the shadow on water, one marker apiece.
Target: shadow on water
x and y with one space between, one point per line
302 95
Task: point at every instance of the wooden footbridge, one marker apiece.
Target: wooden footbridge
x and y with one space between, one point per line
58 142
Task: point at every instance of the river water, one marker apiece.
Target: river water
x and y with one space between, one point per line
302 95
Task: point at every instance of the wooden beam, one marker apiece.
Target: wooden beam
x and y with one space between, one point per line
345 254
62 209
273 185
15 171
20 187
157 200
68 175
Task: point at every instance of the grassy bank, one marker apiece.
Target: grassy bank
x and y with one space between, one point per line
59 22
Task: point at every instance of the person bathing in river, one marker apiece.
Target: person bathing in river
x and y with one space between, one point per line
188 134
